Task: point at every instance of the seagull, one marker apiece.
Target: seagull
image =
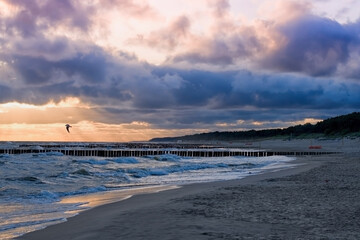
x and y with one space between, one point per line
68 127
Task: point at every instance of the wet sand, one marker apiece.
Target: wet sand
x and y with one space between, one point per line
318 199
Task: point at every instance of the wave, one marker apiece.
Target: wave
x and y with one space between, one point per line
9 192
54 154
60 175
45 196
26 179
92 161
29 223
119 175
84 190
245 165
126 160
82 171
145 172
37 147
140 173
30 179
165 157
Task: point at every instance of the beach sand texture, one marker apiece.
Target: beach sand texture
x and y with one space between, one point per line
319 199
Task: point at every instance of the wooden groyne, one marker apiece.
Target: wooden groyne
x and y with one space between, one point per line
136 152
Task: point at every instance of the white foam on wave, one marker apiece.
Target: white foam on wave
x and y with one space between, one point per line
125 160
8 145
144 172
54 153
93 161
117 174
37 147
29 223
166 157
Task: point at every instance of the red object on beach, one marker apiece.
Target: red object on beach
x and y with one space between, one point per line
315 147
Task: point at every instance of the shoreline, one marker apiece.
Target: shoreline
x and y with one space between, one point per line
93 200
91 224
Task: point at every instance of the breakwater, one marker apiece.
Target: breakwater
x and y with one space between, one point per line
141 149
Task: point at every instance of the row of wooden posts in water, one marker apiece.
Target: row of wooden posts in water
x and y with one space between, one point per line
148 152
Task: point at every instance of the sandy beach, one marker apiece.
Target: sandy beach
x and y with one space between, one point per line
318 199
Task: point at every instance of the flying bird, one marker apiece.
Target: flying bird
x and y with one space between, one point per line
68 127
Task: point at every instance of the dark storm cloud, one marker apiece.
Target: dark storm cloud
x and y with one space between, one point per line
40 46
5 93
275 91
308 44
314 45
238 89
167 97
197 88
91 67
90 75
174 98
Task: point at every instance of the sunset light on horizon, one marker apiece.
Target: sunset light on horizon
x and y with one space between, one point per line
132 70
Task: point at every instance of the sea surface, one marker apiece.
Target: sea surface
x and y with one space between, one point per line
37 190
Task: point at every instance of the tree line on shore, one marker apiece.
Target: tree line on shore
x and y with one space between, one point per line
333 127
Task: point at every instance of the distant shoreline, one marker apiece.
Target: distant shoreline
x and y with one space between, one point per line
332 128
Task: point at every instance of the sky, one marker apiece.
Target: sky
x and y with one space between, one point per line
132 70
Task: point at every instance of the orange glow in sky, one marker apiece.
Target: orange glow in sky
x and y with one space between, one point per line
80 132
26 122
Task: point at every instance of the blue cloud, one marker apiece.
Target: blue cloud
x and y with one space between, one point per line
29 19
177 98
38 70
5 93
314 45
226 90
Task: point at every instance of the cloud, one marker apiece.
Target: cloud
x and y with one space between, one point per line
5 93
32 17
130 8
104 79
50 49
227 48
167 38
36 18
312 45
291 40
220 7
36 70
281 68
173 98
219 40
283 11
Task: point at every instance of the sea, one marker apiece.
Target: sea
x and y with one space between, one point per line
41 189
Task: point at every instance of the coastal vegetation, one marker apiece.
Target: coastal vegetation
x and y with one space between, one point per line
344 125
